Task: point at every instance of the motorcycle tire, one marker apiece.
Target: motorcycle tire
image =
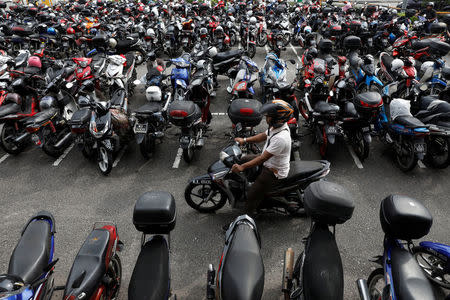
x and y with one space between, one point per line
233 40
204 191
438 152
406 162
188 154
251 51
88 152
261 40
147 147
286 39
433 264
10 147
323 144
303 110
360 145
139 56
376 291
105 160
49 145
115 273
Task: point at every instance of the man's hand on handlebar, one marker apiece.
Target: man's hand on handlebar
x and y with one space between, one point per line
240 140
237 168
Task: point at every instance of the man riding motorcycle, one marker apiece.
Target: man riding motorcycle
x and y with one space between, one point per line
275 156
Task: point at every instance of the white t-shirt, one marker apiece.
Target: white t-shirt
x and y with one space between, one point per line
280 148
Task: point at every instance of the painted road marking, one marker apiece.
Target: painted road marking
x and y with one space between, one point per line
421 165
295 51
4 157
176 163
267 48
121 153
355 157
60 159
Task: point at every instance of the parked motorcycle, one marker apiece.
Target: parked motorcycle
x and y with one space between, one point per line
317 272
210 192
154 215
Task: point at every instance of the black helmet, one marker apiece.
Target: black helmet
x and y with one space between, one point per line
430 4
203 32
312 53
280 111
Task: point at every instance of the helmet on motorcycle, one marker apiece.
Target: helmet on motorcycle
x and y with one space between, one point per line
212 52
51 31
34 61
141 8
307 29
394 12
153 93
151 33
47 102
430 4
219 32
250 13
397 65
312 53
70 30
203 33
253 20
93 31
279 111
112 43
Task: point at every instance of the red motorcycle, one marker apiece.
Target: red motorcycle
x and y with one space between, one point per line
96 272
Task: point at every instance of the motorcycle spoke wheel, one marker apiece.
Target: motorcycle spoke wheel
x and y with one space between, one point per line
204 197
376 284
105 160
432 266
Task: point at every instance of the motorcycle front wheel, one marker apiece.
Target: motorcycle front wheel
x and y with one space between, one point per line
140 57
204 198
405 156
261 39
105 160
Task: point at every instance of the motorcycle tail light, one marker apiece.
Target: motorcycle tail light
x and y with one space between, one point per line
32 129
78 130
394 53
292 121
246 111
178 114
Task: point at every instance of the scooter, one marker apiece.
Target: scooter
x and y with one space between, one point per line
210 192
31 266
155 216
400 276
241 269
317 272
96 272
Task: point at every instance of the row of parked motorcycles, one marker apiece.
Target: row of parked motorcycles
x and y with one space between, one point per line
317 273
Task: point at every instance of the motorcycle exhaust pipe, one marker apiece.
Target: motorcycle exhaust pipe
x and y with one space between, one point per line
63 140
363 289
210 290
21 138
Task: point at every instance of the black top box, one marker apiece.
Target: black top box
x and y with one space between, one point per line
325 46
352 42
184 113
154 213
404 218
438 28
245 111
328 203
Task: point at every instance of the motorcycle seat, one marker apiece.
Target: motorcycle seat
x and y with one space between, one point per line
32 253
387 61
445 124
150 278
221 56
35 36
32 70
425 101
122 44
243 268
409 281
409 121
41 116
89 264
299 170
325 108
8 109
149 108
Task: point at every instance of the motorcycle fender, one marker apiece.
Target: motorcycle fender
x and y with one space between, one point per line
181 83
139 138
368 137
436 80
107 143
372 78
331 139
185 141
119 83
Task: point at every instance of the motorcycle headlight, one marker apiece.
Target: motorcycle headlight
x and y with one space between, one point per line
219 175
95 132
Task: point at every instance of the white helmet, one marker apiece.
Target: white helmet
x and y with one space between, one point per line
153 93
253 20
397 65
426 65
250 13
151 33
232 19
112 43
212 52
155 11
307 29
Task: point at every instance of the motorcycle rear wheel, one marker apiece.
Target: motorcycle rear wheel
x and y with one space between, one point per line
140 57
408 161
261 40
430 263
117 273
251 51
105 162
188 154
202 194
10 147
49 146
376 284
360 145
438 152
147 147
323 144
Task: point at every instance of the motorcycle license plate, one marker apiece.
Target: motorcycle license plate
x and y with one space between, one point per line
65 44
202 181
366 129
140 128
332 130
35 138
419 147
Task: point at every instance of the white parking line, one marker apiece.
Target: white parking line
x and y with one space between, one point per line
267 48
121 153
355 157
4 157
176 163
219 114
295 51
60 159
421 165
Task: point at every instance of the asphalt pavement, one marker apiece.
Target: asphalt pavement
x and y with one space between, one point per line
78 195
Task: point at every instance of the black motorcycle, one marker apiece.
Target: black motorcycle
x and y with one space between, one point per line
317 272
210 192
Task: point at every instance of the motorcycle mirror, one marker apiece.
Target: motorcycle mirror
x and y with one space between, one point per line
69 85
331 94
136 82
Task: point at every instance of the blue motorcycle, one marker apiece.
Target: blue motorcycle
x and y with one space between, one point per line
400 277
435 74
30 271
180 75
396 126
364 72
